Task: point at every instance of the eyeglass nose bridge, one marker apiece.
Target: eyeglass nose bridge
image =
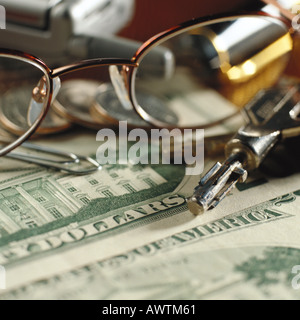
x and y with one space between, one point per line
160 62
122 81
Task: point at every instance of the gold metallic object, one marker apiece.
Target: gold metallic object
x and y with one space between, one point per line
39 93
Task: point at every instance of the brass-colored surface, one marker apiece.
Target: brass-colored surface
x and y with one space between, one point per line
241 93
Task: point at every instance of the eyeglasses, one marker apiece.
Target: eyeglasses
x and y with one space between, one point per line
163 85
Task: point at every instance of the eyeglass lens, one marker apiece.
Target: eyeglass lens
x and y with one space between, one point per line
176 81
24 92
223 56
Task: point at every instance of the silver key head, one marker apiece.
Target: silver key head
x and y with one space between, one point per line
215 185
277 108
272 115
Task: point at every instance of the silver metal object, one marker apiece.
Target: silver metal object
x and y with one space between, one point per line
68 162
107 106
215 185
63 31
271 116
60 30
74 101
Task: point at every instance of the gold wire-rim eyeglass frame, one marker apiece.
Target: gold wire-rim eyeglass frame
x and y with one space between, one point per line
129 69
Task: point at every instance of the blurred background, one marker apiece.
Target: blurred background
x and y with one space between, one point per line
153 16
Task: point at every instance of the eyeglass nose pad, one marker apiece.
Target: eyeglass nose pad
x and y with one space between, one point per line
120 88
37 101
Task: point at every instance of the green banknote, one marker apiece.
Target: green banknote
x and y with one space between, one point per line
42 211
125 232
253 253
51 221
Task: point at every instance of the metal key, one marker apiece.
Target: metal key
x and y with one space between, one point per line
273 115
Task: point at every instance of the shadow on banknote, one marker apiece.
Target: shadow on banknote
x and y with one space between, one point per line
283 160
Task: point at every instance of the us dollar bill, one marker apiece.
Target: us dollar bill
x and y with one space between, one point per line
34 198
146 244
48 218
64 236
252 253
